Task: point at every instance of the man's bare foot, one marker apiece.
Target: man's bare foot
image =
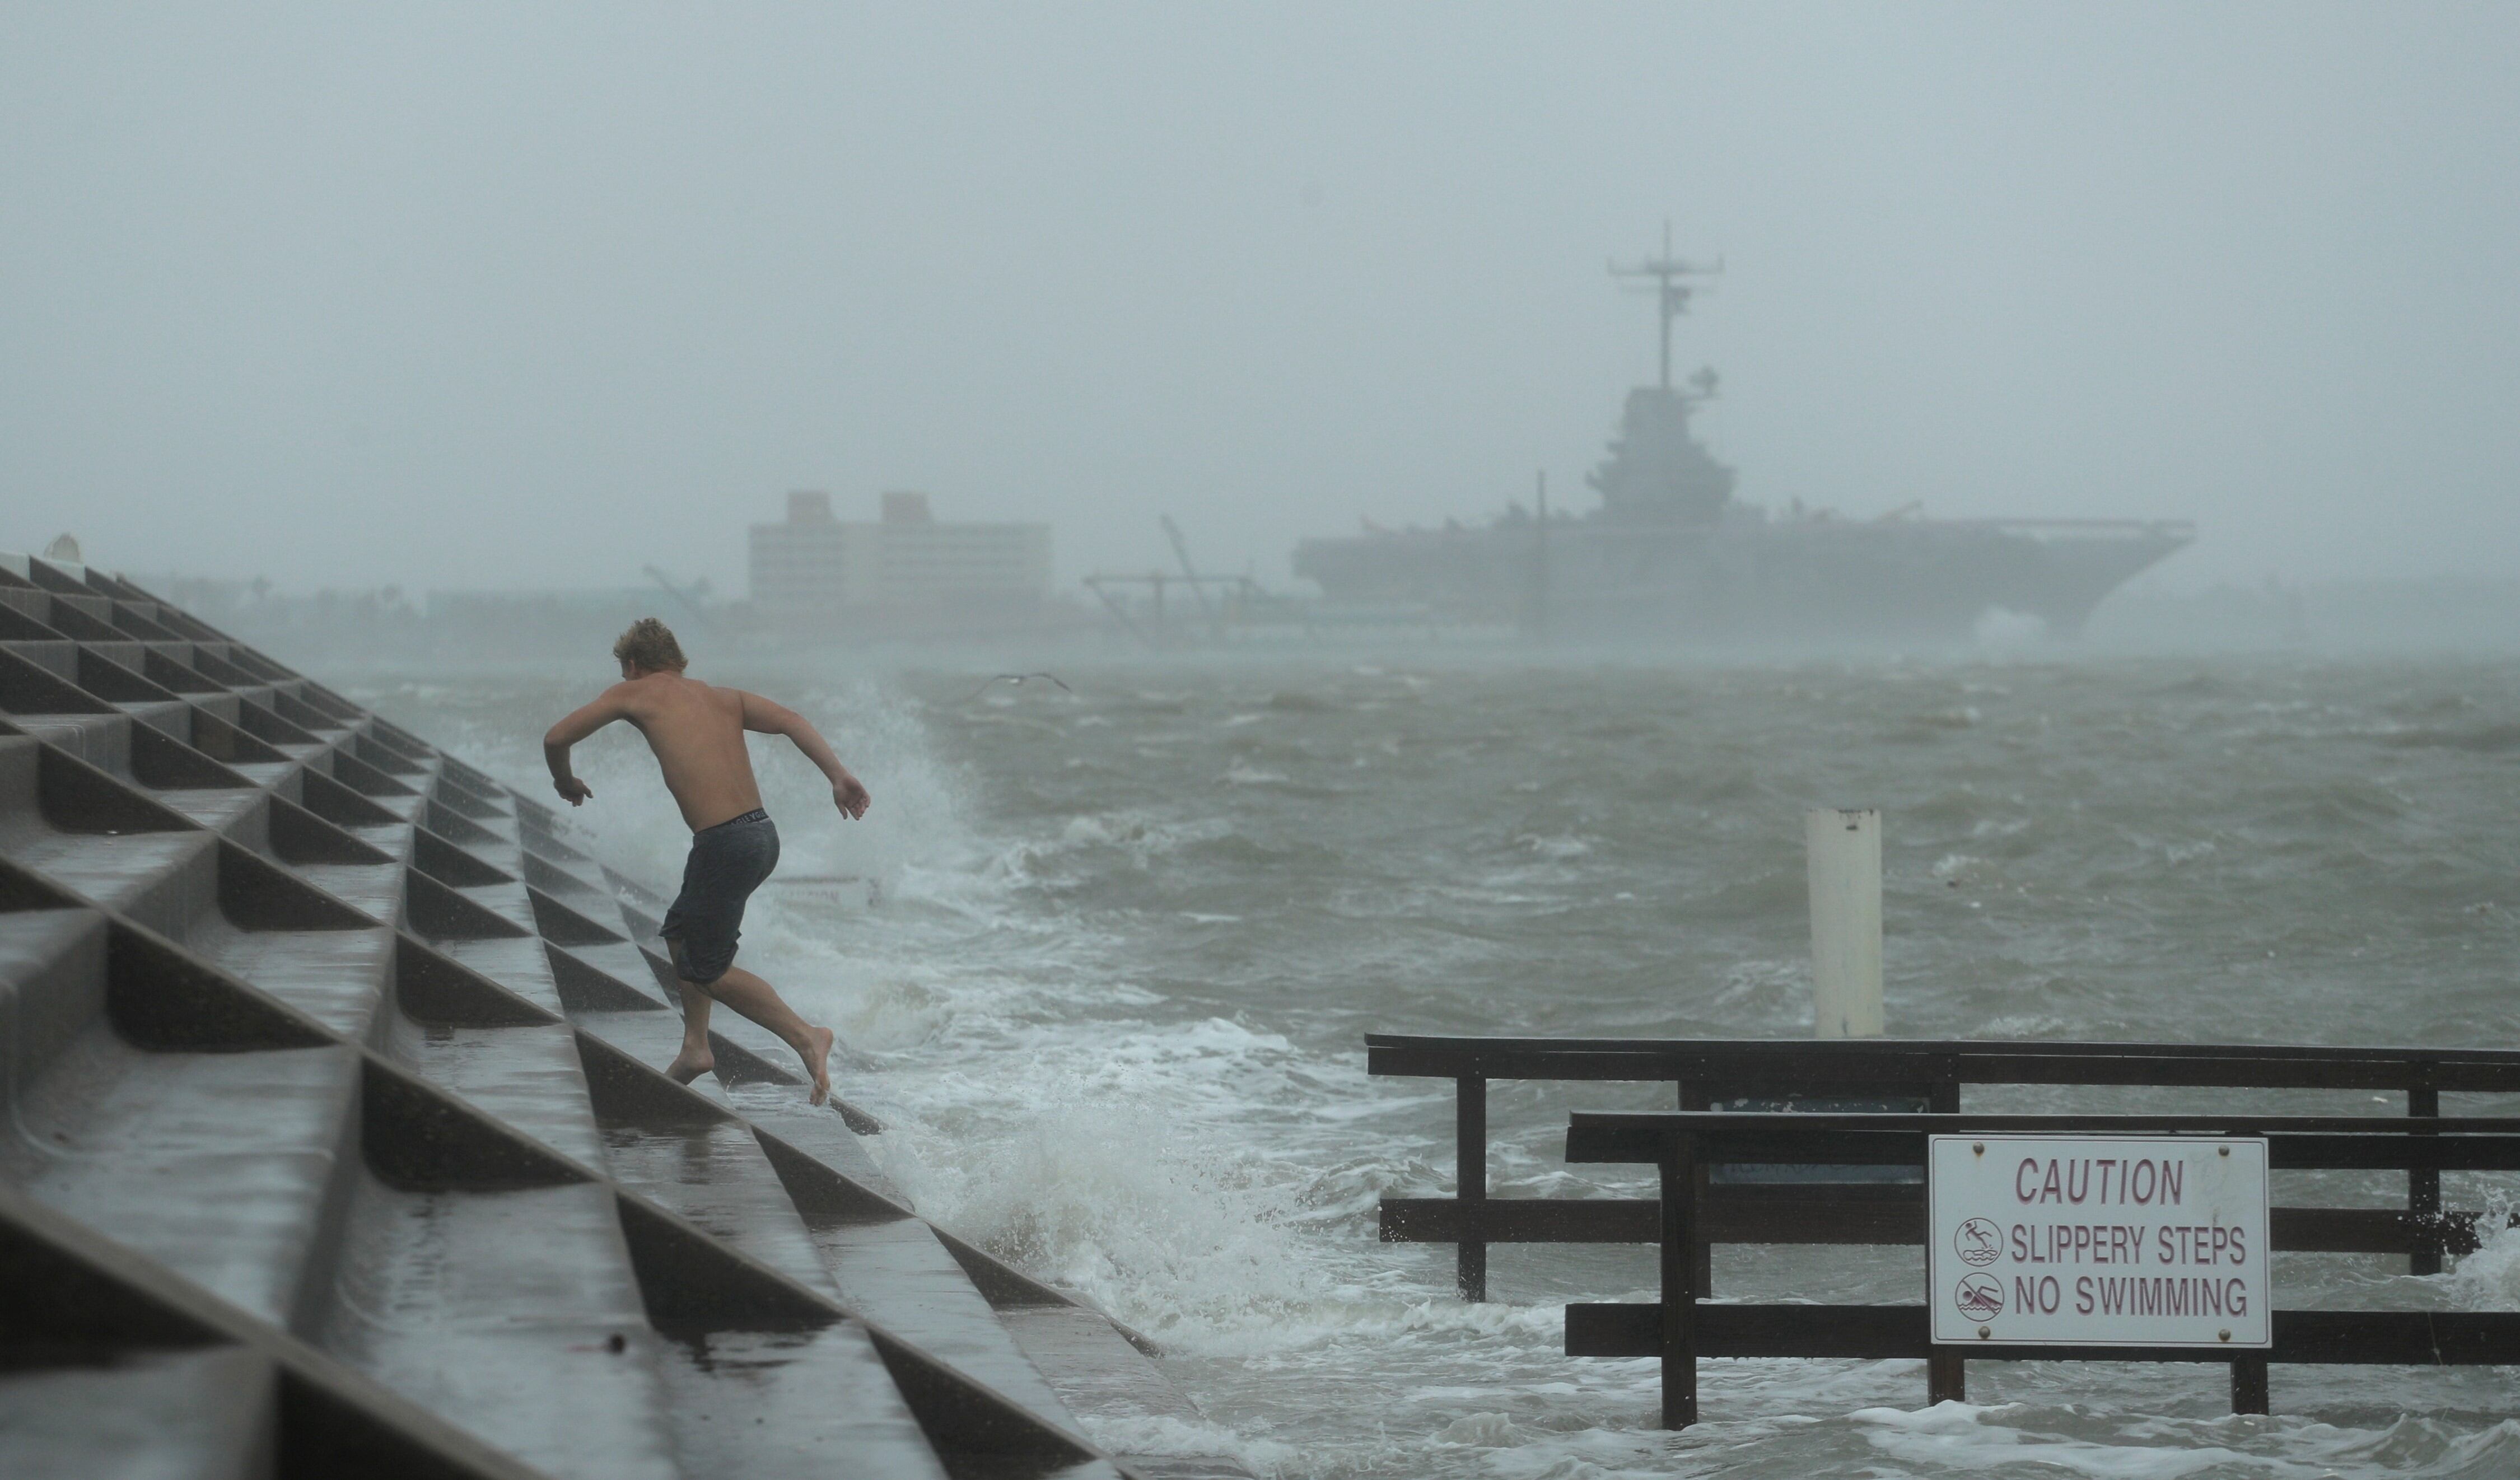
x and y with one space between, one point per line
690 1064
819 1063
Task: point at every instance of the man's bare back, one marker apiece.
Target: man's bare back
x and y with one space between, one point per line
697 732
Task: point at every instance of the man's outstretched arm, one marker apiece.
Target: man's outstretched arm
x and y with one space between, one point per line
764 717
606 709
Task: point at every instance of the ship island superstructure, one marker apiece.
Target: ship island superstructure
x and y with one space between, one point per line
1671 554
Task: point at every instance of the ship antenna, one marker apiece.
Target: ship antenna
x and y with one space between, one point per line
1668 274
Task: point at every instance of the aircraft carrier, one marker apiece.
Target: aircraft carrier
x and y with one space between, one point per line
1672 555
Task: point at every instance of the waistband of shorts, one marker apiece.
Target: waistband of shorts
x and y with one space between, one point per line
756 815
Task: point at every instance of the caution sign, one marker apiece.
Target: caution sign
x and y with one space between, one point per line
2098 1241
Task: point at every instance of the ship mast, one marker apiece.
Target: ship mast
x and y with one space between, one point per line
1667 274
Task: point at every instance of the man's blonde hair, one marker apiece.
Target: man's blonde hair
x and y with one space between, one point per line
649 647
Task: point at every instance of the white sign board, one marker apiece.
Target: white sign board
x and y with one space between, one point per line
2098 1241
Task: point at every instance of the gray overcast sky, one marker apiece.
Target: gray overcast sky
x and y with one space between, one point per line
502 295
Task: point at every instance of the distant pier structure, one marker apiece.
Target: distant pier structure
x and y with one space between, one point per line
339 1150
905 572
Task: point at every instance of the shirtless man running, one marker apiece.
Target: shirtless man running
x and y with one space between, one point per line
697 732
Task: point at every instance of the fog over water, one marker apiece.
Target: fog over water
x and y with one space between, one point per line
452 296
469 297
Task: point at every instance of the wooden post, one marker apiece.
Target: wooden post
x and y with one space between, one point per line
1945 1371
2423 1193
1470 1157
1844 850
1946 1376
1679 1287
2249 1385
1702 1266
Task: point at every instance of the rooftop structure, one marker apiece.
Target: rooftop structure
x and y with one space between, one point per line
336 1149
813 571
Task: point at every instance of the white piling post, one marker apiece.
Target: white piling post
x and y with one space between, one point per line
1845 858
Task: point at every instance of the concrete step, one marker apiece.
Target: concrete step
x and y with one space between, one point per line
183 1415
268 926
899 1274
895 1269
629 968
693 1156
161 1154
650 1039
688 1153
514 1314
579 888
780 1403
527 1077
1095 1369
336 976
52 982
372 889
86 831
515 963
150 1147
158 758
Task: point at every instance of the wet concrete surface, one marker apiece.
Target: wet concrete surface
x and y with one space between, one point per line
52 972
897 1273
527 1077
116 871
715 1176
163 1414
375 889
782 1402
214 1164
277 1175
503 1311
336 976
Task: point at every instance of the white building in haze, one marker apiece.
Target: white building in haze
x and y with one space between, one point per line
815 570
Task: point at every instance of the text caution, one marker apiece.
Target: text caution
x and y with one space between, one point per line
2098 1241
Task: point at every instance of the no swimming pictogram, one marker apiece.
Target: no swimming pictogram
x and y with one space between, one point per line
1979 1297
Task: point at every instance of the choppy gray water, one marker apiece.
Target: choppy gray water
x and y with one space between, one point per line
1113 996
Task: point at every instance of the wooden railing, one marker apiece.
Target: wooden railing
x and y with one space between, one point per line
1681 1329
1931 1076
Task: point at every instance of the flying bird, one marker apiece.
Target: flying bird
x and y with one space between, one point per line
1015 678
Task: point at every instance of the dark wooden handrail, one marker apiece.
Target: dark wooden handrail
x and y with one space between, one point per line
1812 1063
2332 1143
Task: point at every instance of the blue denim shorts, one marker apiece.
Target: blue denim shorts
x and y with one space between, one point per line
728 862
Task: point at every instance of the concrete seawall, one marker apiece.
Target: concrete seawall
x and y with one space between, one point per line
337 1146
